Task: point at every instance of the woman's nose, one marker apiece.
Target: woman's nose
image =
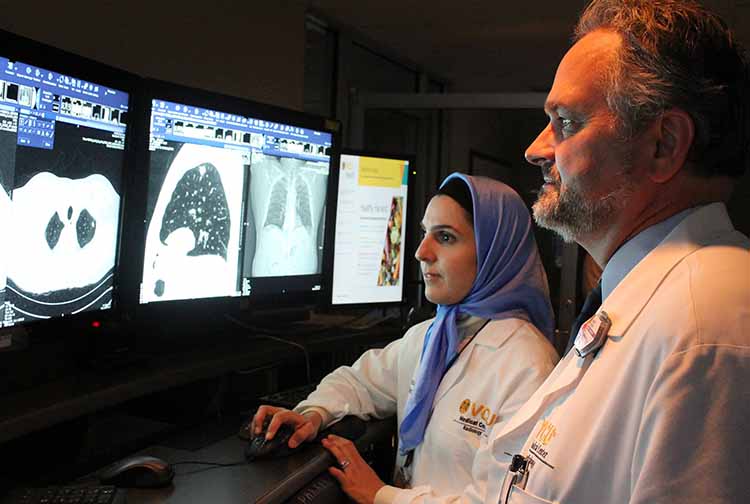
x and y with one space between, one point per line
424 252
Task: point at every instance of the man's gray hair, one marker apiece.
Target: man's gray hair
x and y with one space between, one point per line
676 53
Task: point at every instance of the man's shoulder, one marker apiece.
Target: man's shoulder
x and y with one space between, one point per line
705 299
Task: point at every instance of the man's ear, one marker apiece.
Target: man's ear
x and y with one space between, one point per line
674 131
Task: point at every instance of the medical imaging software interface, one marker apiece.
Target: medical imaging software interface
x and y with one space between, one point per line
232 200
368 262
61 153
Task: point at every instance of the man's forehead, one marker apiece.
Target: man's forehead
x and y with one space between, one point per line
578 77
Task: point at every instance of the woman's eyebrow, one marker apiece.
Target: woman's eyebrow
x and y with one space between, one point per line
439 227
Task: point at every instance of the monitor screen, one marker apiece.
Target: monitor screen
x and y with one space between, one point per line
235 202
370 236
62 143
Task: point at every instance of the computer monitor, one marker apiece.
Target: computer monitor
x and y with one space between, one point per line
63 123
235 199
371 245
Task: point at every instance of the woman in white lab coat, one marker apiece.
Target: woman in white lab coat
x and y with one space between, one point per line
450 379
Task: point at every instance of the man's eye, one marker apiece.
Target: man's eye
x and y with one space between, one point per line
568 126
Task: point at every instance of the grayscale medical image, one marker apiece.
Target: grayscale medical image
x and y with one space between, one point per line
4 220
287 197
62 227
64 243
193 234
8 140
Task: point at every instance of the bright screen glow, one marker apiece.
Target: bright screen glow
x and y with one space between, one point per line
370 230
235 204
61 157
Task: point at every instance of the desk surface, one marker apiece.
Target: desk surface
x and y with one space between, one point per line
268 481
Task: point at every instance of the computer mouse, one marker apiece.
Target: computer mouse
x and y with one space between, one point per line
261 448
138 471
245 432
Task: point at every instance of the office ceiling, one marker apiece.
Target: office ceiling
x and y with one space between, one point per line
477 45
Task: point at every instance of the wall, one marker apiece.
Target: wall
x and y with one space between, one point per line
238 48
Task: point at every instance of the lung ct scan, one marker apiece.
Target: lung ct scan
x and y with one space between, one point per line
192 242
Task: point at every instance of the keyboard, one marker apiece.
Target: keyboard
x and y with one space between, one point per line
288 398
97 494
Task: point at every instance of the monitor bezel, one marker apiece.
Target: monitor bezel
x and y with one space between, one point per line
409 249
19 48
203 309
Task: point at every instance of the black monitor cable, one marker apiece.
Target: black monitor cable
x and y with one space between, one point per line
262 334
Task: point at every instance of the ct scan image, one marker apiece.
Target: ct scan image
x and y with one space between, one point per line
287 198
193 234
63 226
4 220
7 164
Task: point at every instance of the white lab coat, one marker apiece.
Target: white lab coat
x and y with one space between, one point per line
492 377
660 413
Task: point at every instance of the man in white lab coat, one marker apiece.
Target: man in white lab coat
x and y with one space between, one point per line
649 126
648 131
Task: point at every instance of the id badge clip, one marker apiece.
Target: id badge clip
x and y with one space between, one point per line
592 334
517 475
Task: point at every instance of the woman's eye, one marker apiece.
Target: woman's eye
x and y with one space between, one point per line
445 237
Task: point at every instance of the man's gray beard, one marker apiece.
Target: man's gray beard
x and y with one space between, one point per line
573 216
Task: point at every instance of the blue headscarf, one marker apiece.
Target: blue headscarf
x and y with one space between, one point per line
510 283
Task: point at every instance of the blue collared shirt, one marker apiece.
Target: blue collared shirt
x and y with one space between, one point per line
635 249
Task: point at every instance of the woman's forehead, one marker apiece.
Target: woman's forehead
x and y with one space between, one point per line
443 210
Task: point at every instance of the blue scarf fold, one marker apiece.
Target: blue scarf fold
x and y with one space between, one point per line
510 283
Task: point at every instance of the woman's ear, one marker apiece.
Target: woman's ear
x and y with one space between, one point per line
674 132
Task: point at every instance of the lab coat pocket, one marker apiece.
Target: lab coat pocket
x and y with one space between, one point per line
521 496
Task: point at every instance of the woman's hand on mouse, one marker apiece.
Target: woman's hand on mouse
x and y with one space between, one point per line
306 426
357 478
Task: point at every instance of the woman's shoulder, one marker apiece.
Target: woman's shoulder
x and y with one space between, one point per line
418 330
519 334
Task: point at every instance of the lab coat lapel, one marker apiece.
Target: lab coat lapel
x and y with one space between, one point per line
486 338
454 372
623 305
565 376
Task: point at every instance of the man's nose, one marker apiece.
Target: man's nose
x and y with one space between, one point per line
541 151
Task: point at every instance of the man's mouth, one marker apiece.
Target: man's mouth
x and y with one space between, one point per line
550 175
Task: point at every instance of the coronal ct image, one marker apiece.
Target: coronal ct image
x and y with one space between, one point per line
287 199
390 260
192 240
63 236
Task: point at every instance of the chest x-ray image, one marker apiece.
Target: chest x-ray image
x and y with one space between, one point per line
64 239
287 197
192 240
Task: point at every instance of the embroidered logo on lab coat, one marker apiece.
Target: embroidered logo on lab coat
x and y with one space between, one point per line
465 404
542 438
475 417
